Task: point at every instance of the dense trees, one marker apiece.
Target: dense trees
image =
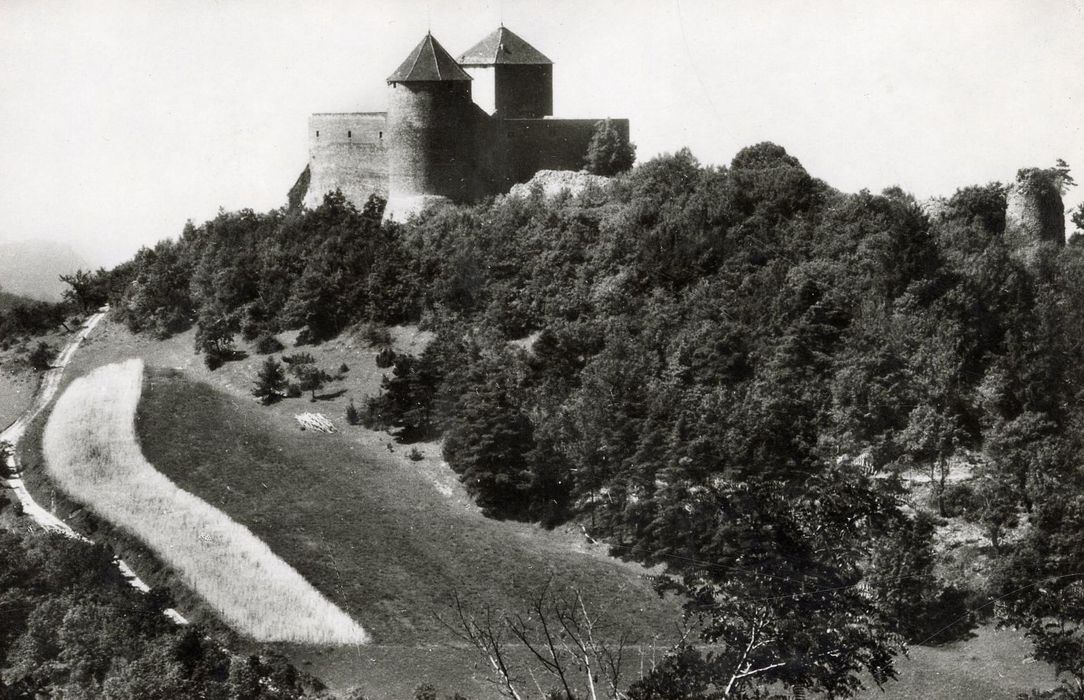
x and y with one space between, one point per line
609 151
703 366
71 626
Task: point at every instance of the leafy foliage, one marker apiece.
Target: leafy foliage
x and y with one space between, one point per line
609 151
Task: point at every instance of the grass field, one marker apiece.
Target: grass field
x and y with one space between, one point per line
92 454
304 495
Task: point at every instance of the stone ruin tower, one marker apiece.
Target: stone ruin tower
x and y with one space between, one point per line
1034 212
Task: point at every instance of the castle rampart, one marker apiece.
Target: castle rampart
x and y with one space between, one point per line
347 151
440 138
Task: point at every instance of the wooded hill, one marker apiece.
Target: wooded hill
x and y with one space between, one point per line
722 369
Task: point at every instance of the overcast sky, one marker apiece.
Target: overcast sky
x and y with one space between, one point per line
121 119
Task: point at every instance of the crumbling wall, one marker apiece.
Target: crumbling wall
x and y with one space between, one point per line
1034 212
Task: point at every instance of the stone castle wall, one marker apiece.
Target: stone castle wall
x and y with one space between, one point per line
431 140
523 91
348 152
548 144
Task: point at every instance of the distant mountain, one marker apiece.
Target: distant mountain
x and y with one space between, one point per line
32 268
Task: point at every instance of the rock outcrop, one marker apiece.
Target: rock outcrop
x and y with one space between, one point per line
553 182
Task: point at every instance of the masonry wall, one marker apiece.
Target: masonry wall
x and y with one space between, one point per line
548 144
523 91
347 151
431 133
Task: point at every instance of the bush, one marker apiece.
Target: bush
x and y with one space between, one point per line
214 359
293 390
42 356
267 344
425 691
375 335
959 500
352 415
343 368
385 358
415 455
609 152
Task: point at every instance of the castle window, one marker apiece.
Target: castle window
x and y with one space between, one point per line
349 135
317 133
381 134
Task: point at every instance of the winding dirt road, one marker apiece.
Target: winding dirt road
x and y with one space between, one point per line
13 434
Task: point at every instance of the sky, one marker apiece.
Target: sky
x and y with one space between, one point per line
122 119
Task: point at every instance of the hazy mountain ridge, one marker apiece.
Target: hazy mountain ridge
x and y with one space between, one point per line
33 268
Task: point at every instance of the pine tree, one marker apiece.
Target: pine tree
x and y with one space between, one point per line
352 415
270 381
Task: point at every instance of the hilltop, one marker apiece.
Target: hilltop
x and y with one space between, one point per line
831 425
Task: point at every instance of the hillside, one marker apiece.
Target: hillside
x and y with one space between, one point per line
833 425
32 268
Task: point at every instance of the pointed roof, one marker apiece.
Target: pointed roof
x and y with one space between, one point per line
428 62
503 47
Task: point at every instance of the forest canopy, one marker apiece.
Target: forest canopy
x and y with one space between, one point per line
725 370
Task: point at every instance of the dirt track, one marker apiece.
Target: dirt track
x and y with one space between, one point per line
13 434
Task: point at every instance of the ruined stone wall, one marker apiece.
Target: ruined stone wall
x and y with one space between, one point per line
1034 212
548 144
347 151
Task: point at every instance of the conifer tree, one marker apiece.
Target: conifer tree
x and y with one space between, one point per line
270 381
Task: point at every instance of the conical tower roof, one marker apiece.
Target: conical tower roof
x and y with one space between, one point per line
428 62
503 47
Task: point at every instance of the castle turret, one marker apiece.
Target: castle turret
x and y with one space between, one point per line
514 79
430 123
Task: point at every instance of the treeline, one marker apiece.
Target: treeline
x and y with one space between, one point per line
713 368
71 626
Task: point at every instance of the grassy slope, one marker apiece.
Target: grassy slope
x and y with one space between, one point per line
92 453
993 664
361 525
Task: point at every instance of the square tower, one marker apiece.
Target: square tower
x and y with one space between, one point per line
513 80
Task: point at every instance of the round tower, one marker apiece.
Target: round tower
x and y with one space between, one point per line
430 130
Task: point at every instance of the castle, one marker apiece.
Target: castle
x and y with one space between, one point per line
441 140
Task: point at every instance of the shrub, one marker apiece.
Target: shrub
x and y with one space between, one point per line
42 356
214 359
352 415
415 455
293 390
385 358
299 358
375 335
343 368
425 691
267 344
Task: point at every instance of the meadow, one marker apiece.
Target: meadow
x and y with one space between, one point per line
92 454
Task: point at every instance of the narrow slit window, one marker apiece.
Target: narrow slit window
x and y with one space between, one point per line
317 133
381 134
349 134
